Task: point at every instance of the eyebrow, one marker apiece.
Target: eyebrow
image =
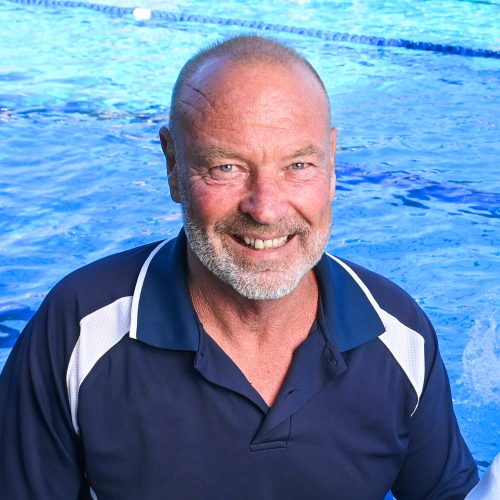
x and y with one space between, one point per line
216 152
309 150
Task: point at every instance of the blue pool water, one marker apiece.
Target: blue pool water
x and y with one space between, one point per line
83 93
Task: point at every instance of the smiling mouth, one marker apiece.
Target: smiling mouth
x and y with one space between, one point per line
260 244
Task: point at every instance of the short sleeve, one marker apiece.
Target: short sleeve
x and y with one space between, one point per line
438 464
41 453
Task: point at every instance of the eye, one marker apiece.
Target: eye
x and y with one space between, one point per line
301 170
227 168
226 172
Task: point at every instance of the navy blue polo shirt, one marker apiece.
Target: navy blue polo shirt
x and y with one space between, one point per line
115 391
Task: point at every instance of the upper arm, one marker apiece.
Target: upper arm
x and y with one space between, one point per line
438 464
41 453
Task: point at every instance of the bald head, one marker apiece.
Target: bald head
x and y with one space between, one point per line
251 159
240 51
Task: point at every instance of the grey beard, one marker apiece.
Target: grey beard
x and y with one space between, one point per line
253 281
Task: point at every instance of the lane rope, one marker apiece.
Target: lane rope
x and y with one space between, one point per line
161 16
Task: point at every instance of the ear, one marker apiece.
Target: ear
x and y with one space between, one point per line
333 147
167 146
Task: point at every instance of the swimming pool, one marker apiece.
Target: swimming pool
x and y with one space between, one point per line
83 93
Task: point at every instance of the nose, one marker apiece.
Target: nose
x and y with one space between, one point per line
264 201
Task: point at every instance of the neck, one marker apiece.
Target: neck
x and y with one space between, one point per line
233 319
260 336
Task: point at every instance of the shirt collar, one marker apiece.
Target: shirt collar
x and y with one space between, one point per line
346 312
163 314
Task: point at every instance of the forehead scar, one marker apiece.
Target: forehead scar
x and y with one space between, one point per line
199 92
192 106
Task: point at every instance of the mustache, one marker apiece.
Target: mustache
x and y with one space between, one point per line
244 224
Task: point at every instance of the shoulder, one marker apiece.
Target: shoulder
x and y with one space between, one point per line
365 307
388 298
101 282
101 290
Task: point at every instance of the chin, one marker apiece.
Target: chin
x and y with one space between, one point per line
255 289
254 278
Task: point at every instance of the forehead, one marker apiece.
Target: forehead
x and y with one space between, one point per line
254 94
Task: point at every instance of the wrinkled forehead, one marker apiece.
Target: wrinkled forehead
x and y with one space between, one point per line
254 90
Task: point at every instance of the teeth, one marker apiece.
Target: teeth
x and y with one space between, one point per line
261 244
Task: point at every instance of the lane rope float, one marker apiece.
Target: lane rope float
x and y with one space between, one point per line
161 16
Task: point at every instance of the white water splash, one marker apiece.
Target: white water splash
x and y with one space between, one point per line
481 363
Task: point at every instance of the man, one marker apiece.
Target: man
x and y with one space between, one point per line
237 360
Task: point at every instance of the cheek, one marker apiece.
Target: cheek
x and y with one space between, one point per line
314 201
211 203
